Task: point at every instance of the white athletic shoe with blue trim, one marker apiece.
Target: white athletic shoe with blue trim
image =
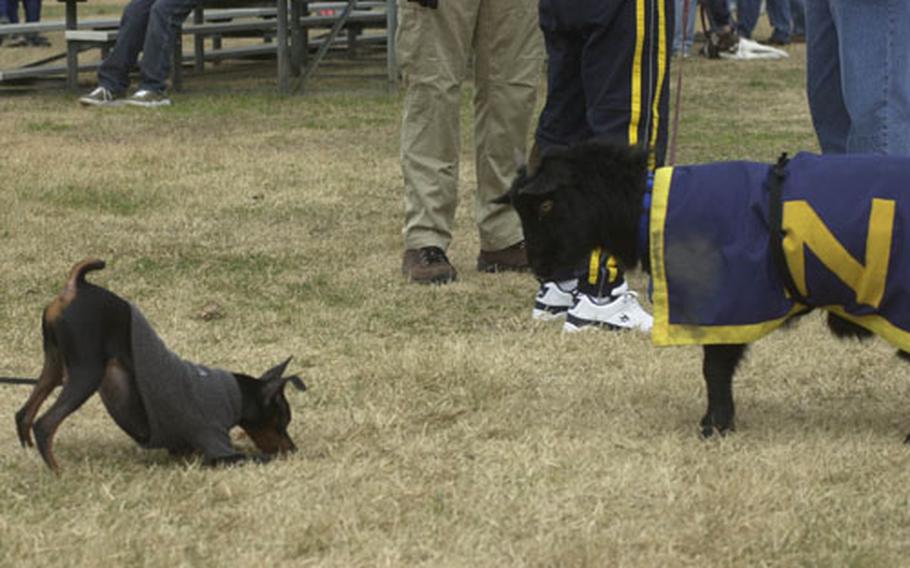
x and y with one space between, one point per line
619 311
552 301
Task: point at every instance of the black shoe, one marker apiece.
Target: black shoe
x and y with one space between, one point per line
38 40
511 259
148 99
18 41
774 40
101 97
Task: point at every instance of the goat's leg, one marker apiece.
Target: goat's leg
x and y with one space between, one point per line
906 357
718 366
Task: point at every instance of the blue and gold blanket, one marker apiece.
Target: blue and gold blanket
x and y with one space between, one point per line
845 244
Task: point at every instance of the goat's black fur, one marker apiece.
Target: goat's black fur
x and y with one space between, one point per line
580 198
590 195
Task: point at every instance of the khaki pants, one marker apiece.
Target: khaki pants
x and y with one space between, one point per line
434 51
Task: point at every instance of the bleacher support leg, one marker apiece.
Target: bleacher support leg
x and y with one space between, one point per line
177 72
199 41
72 49
297 39
282 48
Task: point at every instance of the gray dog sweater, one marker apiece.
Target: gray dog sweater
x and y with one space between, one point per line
188 406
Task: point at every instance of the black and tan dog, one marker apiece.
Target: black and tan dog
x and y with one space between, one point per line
96 341
734 249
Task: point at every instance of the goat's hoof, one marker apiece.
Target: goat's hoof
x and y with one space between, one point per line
709 429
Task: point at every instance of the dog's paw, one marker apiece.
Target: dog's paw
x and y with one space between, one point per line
260 458
22 429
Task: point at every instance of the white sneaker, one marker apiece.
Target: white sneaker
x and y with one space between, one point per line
620 311
552 301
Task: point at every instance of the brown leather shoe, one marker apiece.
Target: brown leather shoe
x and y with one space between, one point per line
427 265
513 259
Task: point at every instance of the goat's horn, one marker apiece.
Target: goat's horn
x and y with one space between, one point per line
534 159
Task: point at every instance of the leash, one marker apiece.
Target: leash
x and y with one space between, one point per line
17 381
295 380
679 83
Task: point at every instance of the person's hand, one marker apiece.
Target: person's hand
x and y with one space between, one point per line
427 3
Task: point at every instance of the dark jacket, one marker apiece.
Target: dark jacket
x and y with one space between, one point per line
189 407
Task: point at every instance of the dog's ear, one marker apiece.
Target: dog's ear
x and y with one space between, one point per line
297 382
274 382
276 371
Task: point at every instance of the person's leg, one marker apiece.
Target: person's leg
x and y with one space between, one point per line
877 97
164 22
433 52
628 102
719 14
33 14
823 78
32 10
747 12
508 60
627 92
780 18
563 120
798 17
684 10
12 10
114 73
690 24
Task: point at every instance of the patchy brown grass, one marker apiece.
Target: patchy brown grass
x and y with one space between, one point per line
441 427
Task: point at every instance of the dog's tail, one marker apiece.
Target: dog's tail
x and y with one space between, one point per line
73 281
80 269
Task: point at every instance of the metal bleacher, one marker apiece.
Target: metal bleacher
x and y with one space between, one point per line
284 26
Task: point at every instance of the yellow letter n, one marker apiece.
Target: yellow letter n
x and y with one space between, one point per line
804 228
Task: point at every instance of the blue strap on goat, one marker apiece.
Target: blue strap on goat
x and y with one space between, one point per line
774 183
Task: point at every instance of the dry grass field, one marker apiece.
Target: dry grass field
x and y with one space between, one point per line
442 427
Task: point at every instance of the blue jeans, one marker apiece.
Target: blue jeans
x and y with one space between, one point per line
32 10
798 16
718 13
149 26
690 27
747 12
858 75
780 17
